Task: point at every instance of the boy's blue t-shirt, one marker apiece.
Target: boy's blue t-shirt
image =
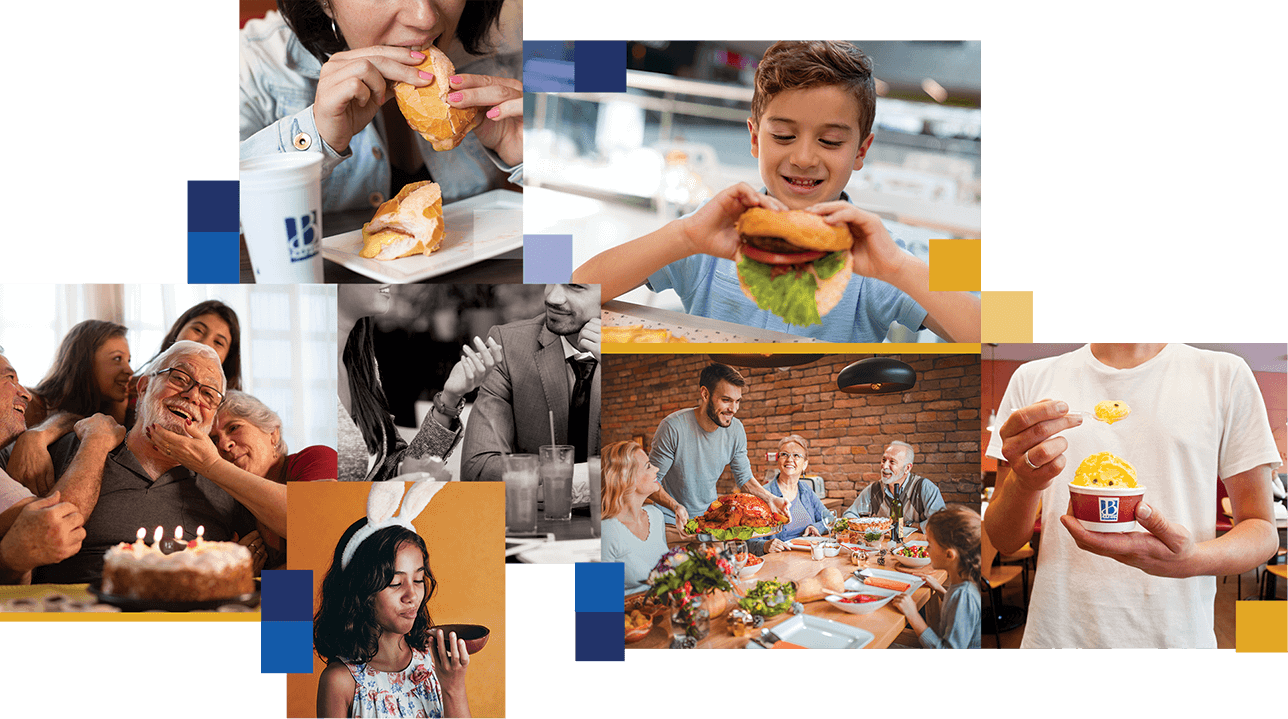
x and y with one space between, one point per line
708 287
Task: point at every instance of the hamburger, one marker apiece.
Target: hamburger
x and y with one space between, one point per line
792 263
426 108
409 224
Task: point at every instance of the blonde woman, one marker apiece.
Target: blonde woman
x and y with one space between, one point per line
633 533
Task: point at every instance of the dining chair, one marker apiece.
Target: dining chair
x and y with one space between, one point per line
1001 618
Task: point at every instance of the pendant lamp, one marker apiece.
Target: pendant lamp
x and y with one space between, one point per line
876 375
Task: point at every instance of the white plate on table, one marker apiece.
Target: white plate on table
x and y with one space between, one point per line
811 540
478 228
818 633
854 584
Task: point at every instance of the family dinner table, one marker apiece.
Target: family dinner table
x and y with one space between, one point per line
885 623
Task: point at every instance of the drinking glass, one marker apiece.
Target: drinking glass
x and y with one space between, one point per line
520 474
556 480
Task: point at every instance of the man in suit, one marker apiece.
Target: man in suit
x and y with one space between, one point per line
550 364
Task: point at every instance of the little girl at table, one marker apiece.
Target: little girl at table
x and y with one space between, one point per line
953 536
372 627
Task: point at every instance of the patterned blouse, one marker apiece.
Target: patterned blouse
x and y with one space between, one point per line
412 692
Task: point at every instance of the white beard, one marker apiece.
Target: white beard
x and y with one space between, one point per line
153 411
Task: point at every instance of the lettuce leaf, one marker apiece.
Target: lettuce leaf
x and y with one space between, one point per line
787 296
725 535
829 265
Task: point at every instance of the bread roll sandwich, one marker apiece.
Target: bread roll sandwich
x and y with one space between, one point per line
426 108
409 224
792 263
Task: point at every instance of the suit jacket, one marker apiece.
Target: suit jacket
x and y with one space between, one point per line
511 414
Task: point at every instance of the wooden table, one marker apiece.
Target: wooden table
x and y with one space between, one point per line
885 623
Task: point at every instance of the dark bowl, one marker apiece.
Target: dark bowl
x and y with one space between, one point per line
475 635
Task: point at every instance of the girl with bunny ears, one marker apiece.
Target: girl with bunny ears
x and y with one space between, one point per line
372 626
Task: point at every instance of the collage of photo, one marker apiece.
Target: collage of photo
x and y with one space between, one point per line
719 323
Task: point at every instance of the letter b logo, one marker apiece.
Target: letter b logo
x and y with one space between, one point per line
301 236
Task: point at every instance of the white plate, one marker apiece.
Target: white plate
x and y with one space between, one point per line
854 584
866 608
811 540
478 228
817 633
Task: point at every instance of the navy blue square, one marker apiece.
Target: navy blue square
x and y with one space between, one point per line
548 66
600 637
601 65
286 595
212 206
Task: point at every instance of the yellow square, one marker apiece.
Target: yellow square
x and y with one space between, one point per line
1261 626
1006 316
954 265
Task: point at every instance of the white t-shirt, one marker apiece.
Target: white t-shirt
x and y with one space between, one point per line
1196 415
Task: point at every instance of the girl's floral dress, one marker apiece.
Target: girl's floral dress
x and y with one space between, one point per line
412 692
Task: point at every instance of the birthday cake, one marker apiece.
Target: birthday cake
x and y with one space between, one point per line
204 571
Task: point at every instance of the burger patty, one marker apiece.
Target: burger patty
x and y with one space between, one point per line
772 244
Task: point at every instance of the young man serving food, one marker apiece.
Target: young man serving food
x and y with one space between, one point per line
829 270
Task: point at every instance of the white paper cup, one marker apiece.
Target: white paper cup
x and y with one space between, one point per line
281 216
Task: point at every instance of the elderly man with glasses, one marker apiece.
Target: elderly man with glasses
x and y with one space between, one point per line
144 484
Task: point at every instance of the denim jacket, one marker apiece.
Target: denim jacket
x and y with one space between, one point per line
278 81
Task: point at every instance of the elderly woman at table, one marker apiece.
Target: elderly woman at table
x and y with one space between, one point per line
633 533
808 513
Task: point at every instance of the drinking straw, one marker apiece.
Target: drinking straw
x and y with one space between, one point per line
552 428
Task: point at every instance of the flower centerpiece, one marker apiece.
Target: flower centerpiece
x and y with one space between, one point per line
684 577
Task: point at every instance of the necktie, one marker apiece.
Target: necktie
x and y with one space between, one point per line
579 407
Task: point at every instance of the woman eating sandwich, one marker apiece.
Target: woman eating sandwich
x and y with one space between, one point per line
318 77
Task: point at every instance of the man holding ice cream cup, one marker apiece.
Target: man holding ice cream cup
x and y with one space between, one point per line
1196 417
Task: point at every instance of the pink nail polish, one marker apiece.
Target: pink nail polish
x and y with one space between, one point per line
454 97
455 79
494 112
416 54
426 75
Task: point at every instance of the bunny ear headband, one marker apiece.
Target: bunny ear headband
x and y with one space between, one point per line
381 503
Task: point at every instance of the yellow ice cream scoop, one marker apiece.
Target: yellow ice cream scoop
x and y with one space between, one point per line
1112 410
1104 469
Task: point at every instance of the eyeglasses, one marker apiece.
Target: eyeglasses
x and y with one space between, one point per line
182 381
792 455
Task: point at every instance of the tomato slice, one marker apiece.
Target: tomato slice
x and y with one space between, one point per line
774 258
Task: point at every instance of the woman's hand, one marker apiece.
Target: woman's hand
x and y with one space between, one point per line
355 83
777 545
31 464
474 367
193 450
502 128
258 552
811 531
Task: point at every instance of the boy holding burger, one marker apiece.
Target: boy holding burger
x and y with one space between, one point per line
799 258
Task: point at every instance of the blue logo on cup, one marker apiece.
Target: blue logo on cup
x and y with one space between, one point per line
1108 509
301 241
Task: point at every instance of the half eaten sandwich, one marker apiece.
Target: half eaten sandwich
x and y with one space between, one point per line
409 224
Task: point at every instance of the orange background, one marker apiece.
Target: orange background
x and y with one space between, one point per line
464 529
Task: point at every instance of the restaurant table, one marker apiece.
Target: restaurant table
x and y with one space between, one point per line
542 545
885 623
693 328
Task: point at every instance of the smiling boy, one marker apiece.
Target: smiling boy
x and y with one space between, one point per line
811 127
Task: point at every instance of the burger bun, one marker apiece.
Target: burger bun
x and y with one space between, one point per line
803 229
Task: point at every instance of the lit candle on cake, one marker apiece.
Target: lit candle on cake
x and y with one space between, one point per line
178 533
156 539
201 529
138 545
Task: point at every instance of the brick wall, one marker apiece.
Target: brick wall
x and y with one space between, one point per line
939 417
